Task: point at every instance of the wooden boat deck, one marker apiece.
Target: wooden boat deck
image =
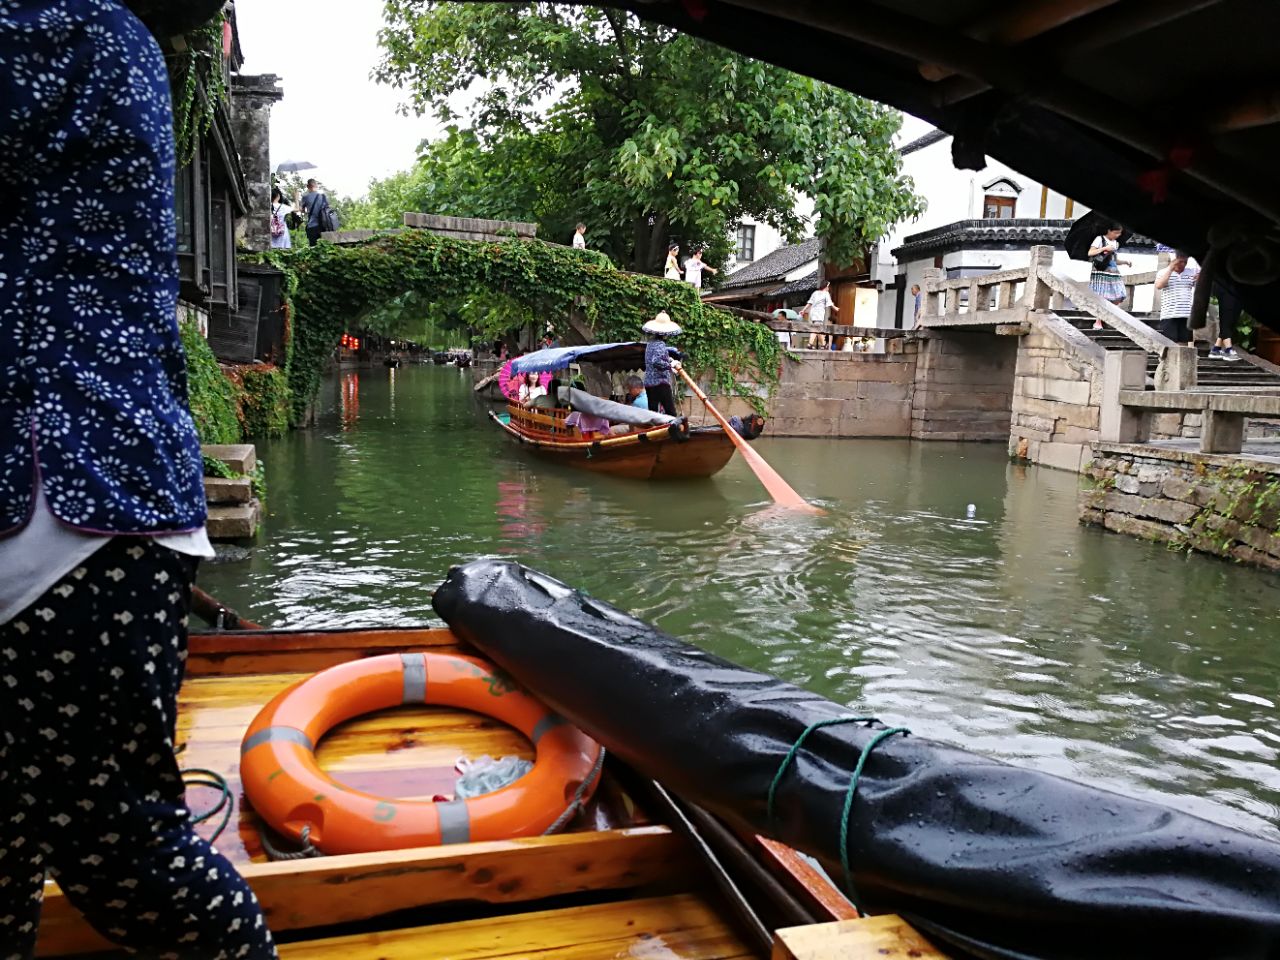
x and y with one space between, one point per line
657 928
614 886
409 753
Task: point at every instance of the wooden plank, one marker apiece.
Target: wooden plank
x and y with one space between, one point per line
298 895
680 927
244 653
872 938
813 887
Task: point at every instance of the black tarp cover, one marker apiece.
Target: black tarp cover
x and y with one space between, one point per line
988 859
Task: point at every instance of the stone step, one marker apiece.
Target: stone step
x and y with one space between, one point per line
224 490
240 457
234 522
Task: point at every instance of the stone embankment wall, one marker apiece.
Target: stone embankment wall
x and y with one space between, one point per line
964 386
1194 501
938 385
1057 398
848 394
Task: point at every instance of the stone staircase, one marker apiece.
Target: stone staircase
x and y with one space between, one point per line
1211 374
234 512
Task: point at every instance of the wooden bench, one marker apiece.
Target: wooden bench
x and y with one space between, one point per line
683 926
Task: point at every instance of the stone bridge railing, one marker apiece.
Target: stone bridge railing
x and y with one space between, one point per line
1009 297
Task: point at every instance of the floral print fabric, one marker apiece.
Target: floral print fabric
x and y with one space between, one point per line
93 390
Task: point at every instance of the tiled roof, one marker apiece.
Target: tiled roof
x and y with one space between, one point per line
806 284
1007 234
774 266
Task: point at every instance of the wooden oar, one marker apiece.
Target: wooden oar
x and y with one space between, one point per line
778 488
220 617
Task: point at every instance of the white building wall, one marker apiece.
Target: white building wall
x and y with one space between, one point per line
768 238
952 194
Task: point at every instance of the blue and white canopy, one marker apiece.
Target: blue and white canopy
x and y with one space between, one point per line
611 356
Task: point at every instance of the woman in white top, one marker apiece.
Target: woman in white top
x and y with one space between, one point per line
532 388
280 239
672 269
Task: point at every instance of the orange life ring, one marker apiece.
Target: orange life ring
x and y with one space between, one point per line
290 792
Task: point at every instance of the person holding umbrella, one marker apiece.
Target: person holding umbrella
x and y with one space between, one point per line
1105 279
313 204
659 365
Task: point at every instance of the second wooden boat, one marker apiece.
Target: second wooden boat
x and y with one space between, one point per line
642 445
662 453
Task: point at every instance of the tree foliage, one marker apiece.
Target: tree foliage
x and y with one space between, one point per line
331 288
645 134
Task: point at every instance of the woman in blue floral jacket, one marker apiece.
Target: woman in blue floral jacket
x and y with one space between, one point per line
101 499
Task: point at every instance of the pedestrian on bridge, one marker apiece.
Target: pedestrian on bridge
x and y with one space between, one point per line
1105 279
816 312
1177 283
693 268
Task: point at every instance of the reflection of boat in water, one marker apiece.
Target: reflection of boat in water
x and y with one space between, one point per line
643 445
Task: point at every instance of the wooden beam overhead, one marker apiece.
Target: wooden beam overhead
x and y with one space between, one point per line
1024 22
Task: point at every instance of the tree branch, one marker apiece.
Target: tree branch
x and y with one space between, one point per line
619 33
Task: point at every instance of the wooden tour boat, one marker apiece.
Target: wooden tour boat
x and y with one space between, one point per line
617 882
655 447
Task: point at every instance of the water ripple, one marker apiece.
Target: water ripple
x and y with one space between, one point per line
1016 633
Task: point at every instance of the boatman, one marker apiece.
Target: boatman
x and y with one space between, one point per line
660 361
102 505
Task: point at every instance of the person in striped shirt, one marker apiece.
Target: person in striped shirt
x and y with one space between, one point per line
1177 283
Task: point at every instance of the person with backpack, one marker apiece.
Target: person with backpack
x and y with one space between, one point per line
280 239
317 213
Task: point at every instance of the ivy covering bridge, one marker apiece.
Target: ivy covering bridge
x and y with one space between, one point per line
331 287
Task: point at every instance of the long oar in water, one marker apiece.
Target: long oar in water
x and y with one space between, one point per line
778 488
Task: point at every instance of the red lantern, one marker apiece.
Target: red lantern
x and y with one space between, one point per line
226 39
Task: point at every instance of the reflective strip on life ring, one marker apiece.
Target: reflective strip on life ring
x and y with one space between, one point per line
290 792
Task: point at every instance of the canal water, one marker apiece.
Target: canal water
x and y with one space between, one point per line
945 589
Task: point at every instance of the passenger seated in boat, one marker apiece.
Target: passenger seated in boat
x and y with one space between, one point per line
532 388
588 425
748 427
547 400
636 396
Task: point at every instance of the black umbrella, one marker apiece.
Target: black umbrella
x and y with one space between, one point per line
1092 224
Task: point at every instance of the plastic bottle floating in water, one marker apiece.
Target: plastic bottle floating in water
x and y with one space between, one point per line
971 511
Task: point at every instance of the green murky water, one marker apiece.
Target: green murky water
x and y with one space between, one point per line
1014 632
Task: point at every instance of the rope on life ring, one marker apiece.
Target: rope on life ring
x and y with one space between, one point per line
299 801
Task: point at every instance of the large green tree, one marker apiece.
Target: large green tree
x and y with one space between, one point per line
646 134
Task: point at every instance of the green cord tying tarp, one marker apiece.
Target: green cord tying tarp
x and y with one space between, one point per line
988 859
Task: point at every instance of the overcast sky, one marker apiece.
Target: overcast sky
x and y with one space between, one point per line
332 114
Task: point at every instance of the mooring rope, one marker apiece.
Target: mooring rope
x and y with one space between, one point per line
275 853
575 805
200 777
882 735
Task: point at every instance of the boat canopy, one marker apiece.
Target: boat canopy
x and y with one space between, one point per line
609 356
